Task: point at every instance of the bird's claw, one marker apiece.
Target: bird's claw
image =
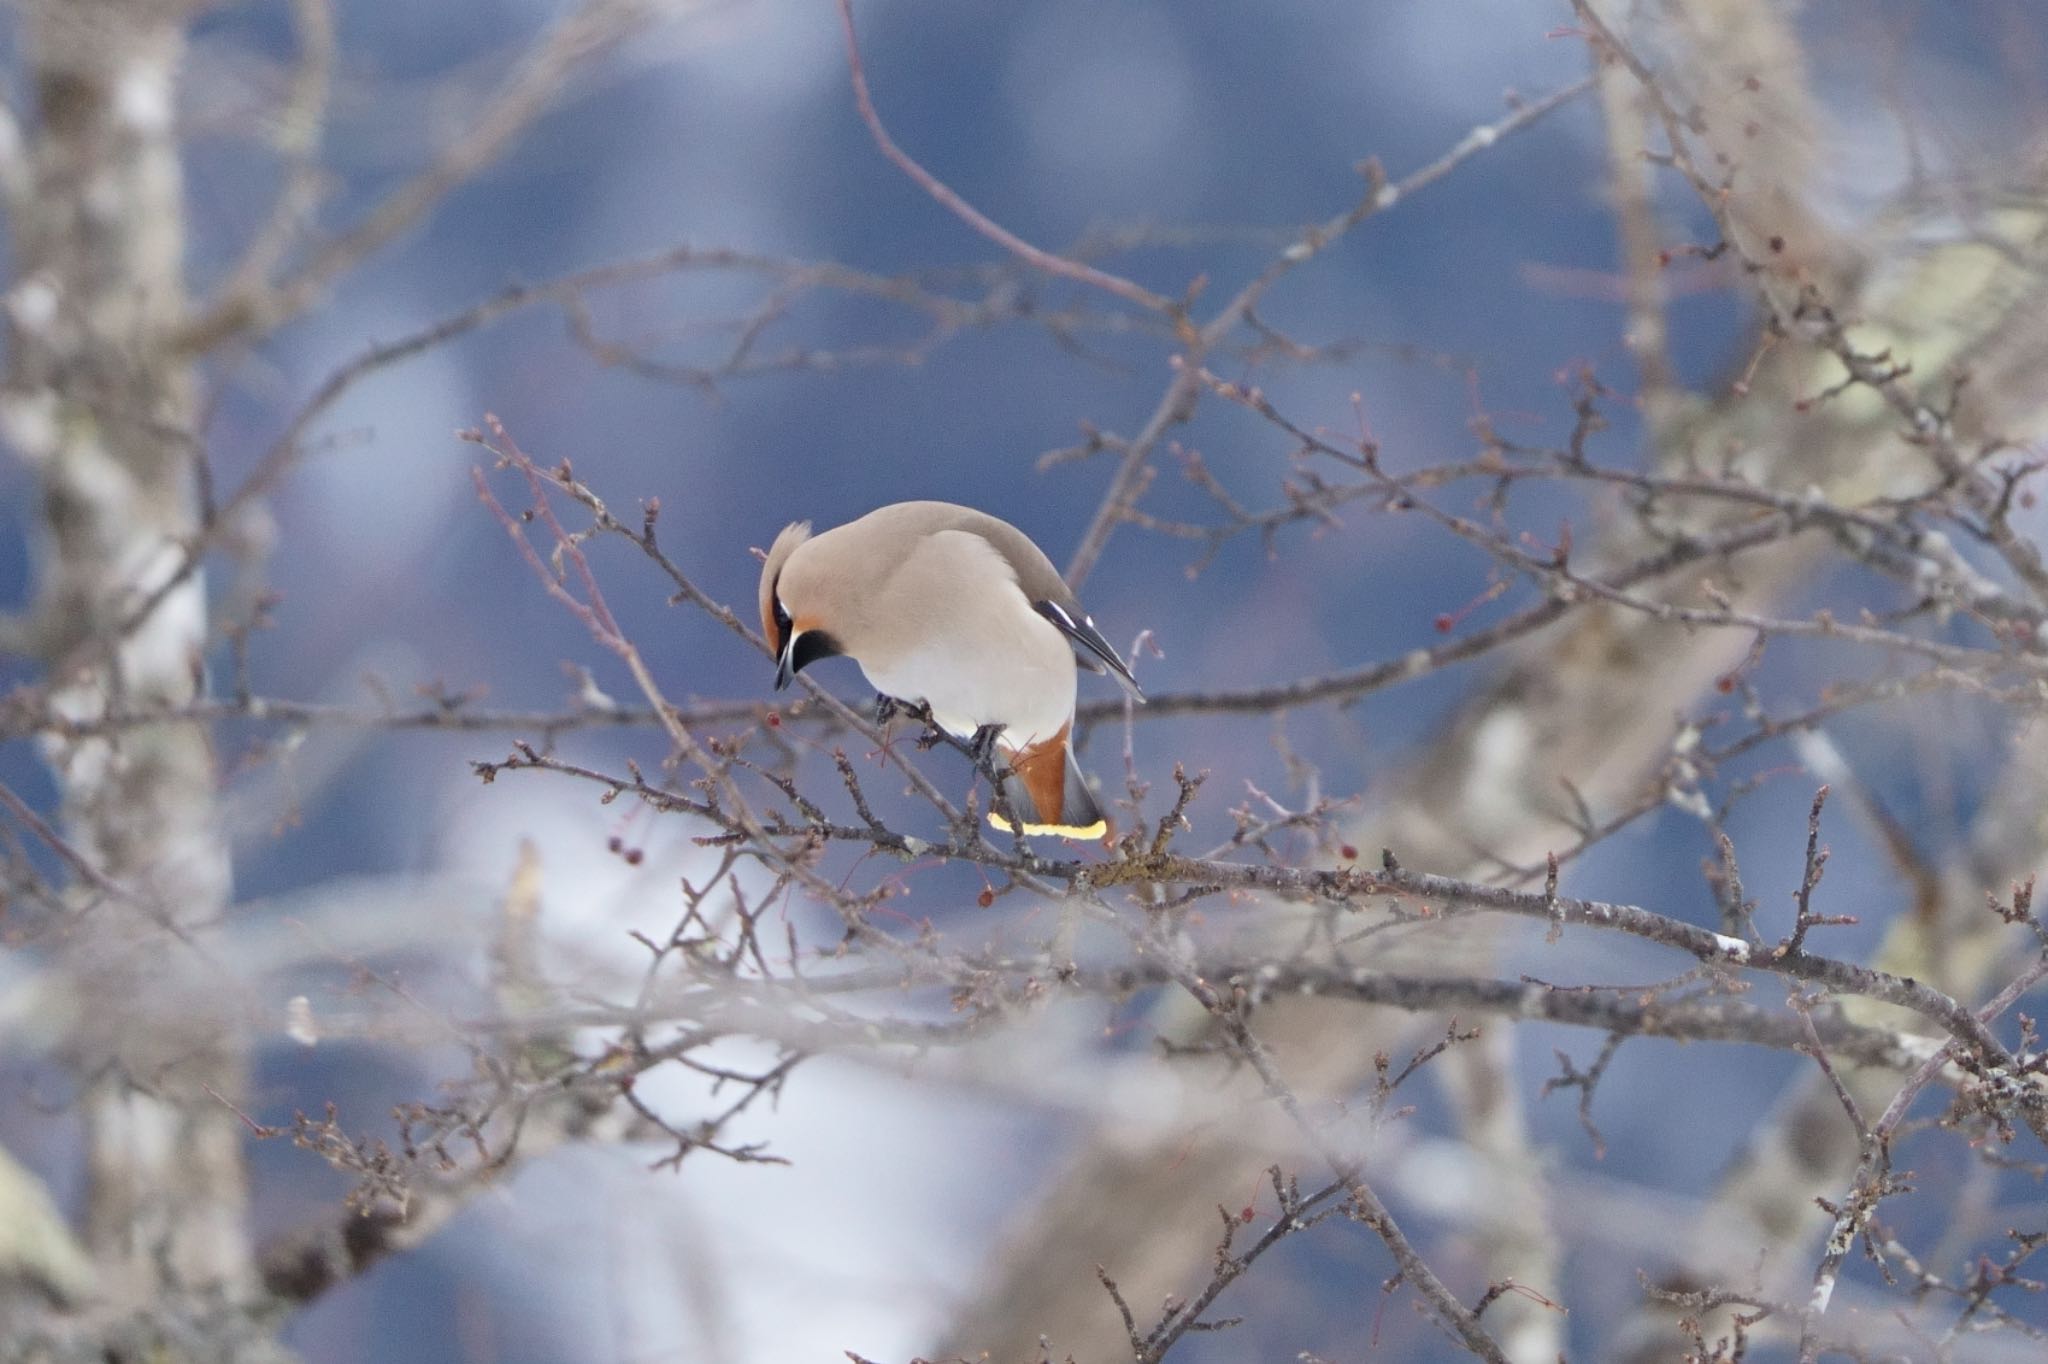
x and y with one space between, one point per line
921 712
982 748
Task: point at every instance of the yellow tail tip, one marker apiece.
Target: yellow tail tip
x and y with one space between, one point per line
1073 831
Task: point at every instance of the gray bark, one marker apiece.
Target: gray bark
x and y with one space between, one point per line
102 408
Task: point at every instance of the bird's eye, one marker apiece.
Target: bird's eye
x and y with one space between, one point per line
781 620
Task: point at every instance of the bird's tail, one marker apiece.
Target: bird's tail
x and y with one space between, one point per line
1044 786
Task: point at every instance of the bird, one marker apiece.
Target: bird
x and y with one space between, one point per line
952 609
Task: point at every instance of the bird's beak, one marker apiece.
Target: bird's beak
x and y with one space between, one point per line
783 670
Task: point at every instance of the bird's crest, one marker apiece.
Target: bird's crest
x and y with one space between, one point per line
793 534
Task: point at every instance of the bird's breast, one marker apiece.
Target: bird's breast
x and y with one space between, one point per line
1030 693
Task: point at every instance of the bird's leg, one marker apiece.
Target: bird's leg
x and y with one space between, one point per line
982 748
888 708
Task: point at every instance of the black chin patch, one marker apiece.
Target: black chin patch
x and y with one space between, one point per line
811 646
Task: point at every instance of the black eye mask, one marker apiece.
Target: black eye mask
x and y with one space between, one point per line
811 646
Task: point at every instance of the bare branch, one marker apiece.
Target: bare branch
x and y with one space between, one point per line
254 305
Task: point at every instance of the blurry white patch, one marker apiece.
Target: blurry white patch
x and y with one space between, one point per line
876 1227
605 872
149 564
1442 1177
167 648
298 1021
250 533
142 98
143 1128
95 478
1107 93
33 303
590 896
1500 753
28 421
589 695
1735 949
1691 800
1822 758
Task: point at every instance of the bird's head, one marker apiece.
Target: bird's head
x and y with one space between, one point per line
796 601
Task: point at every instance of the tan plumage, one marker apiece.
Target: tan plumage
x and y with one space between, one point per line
950 607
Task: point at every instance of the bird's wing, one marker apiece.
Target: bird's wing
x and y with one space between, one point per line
1094 647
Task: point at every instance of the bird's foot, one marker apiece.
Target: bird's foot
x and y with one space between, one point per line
933 735
982 748
888 708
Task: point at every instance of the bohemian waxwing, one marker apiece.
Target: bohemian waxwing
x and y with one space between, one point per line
948 606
